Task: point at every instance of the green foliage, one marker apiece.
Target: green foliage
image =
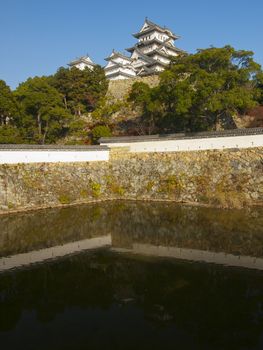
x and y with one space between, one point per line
43 117
260 87
114 187
46 109
96 189
106 107
8 106
10 134
171 184
81 89
150 185
100 131
146 98
84 193
77 127
197 91
64 198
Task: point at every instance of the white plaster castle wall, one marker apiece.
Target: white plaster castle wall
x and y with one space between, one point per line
114 69
158 68
121 60
82 66
248 141
161 58
171 52
109 64
119 77
40 156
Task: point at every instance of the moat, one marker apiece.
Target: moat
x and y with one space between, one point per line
127 275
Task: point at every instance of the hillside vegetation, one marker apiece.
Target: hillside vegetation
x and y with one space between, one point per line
211 89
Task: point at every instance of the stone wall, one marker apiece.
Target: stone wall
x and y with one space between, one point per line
119 89
226 178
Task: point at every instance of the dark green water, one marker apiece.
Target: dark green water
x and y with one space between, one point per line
133 292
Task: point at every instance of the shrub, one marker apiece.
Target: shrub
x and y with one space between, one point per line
100 131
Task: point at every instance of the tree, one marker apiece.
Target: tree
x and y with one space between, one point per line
8 105
213 83
260 87
100 131
81 89
10 134
105 109
9 114
199 91
147 100
44 116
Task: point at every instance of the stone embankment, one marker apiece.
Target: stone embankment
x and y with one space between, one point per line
119 89
223 178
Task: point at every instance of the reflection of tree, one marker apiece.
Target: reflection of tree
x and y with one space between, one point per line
167 224
46 228
213 305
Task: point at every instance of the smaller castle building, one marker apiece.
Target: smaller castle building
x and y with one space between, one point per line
82 63
119 66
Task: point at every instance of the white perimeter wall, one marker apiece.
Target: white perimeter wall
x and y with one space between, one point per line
35 156
249 141
60 156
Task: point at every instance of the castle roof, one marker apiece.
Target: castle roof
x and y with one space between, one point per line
118 65
156 63
143 56
162 44
161 52
146 71
82 59
116 54
144 43
150 26
119 73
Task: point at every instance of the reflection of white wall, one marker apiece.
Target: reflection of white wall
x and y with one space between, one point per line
194 255
48 156
248 141
38 256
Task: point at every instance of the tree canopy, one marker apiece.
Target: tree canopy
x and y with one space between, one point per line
81 89
199 91
8 106
46 109
43 114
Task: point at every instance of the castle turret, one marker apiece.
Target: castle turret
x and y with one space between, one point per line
154 48
119 67
82 63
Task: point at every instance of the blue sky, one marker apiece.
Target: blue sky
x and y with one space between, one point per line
38 36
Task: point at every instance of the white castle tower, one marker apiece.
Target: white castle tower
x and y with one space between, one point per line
150 55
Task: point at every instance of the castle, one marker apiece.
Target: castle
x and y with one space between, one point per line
152 52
